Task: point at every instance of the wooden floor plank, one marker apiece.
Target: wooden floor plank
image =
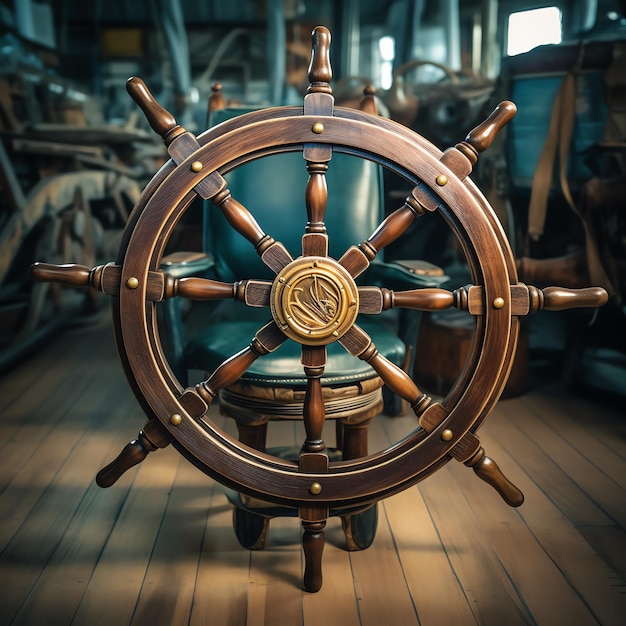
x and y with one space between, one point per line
121 569
381 588
275 592
168 587
25 488
547 594
544 468
41 369
432 582
24 426
492 595
42 534
580 431
58 590
335 603
610 544
601 417
223 579
159 546
609 492
595 583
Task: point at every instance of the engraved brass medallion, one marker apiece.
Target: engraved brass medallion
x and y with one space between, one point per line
314 300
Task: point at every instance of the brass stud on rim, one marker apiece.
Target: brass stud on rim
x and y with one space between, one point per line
315 489
132 283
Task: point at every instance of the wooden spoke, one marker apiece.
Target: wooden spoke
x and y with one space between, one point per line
201 289
357 259
160 285
272 253
315 240
374 300
358 343
314 361
255 293
429 299
266 340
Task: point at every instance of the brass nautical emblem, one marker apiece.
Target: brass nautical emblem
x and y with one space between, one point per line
314 300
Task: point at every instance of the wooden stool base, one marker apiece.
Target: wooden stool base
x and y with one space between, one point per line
443 346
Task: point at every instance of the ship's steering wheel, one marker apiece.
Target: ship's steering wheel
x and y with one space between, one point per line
444 429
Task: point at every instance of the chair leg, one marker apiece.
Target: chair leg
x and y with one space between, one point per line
354 444
251 530
253 436
359 528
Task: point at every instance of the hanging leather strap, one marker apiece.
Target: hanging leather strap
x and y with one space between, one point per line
558 137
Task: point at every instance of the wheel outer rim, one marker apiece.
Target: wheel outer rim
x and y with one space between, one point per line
260 474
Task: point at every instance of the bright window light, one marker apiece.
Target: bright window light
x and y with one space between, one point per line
529 29
386 46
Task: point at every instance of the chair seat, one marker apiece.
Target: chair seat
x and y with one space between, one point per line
221 340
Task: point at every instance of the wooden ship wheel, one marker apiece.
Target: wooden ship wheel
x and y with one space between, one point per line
177 415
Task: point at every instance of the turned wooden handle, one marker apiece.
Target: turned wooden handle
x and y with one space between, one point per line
161 120
313 547
559 298
69 274
320 72
483 135
132 454
488 470
153 436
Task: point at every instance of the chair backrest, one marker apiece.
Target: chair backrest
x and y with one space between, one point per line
534 80
273 190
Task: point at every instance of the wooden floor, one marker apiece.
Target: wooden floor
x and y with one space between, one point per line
158 549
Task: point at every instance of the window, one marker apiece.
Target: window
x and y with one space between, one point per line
529 29
386 47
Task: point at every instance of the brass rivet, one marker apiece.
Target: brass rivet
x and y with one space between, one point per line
132 283
318 128
446 435
196 166
176 419
315 488
498 303
442 180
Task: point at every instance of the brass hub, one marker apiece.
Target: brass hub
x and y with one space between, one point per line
314 300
